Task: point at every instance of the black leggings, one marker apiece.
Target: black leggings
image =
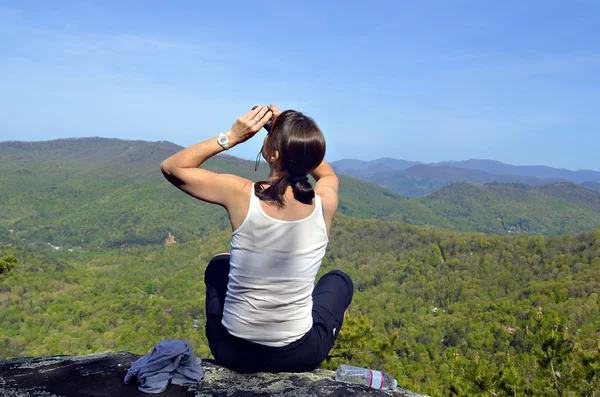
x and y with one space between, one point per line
331 297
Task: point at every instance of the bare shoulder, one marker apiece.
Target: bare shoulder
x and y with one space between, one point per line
329 198
326 193
246 187
240 203
242 191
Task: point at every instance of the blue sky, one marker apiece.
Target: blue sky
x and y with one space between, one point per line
516 81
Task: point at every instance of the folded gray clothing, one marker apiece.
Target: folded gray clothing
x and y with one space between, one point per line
171 360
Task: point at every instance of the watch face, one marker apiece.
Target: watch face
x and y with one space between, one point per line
223 139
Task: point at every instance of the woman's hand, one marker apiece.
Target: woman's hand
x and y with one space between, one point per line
275 110
249 124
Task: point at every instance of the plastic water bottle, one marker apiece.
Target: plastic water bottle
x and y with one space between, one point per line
363 376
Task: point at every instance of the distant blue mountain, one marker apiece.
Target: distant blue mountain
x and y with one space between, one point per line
413 179
536 171
396 164
385 163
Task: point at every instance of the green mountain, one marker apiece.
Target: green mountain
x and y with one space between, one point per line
94 192
573 193
591 185
110 192
551 209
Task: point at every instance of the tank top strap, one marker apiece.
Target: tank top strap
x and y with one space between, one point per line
319 203
254 200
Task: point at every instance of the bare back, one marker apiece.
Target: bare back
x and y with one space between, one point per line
292 211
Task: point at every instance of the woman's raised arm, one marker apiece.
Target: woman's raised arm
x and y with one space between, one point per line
182 170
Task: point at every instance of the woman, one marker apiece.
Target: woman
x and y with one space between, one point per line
263 314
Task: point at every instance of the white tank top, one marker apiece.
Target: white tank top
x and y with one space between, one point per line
272 272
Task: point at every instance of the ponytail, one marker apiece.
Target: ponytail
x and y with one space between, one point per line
302 188
275 192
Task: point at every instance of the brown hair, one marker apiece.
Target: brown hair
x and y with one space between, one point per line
301 147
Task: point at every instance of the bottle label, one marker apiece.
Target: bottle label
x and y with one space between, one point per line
376 381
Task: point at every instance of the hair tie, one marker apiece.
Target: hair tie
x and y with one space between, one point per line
299 179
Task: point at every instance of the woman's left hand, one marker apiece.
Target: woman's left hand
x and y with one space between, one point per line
249 124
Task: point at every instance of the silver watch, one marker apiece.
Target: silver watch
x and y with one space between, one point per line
223 140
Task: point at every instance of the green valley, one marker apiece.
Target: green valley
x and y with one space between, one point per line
85 268
433 293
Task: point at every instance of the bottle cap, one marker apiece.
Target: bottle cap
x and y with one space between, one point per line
394 384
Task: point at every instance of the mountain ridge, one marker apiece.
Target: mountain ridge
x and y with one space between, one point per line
110 186
110 192
513 208
420 179
471 163
538 171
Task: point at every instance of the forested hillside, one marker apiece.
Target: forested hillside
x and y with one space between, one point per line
109 192
439 292
591 185
573 193
497 209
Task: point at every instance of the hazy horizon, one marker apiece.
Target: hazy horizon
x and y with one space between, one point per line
232 153
429 81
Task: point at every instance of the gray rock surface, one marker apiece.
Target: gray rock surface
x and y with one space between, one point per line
102 375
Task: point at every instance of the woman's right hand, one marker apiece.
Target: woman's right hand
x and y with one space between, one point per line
249 124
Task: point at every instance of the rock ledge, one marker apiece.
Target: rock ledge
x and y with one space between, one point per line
102 374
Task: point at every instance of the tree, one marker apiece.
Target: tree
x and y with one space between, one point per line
7 264
560 368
